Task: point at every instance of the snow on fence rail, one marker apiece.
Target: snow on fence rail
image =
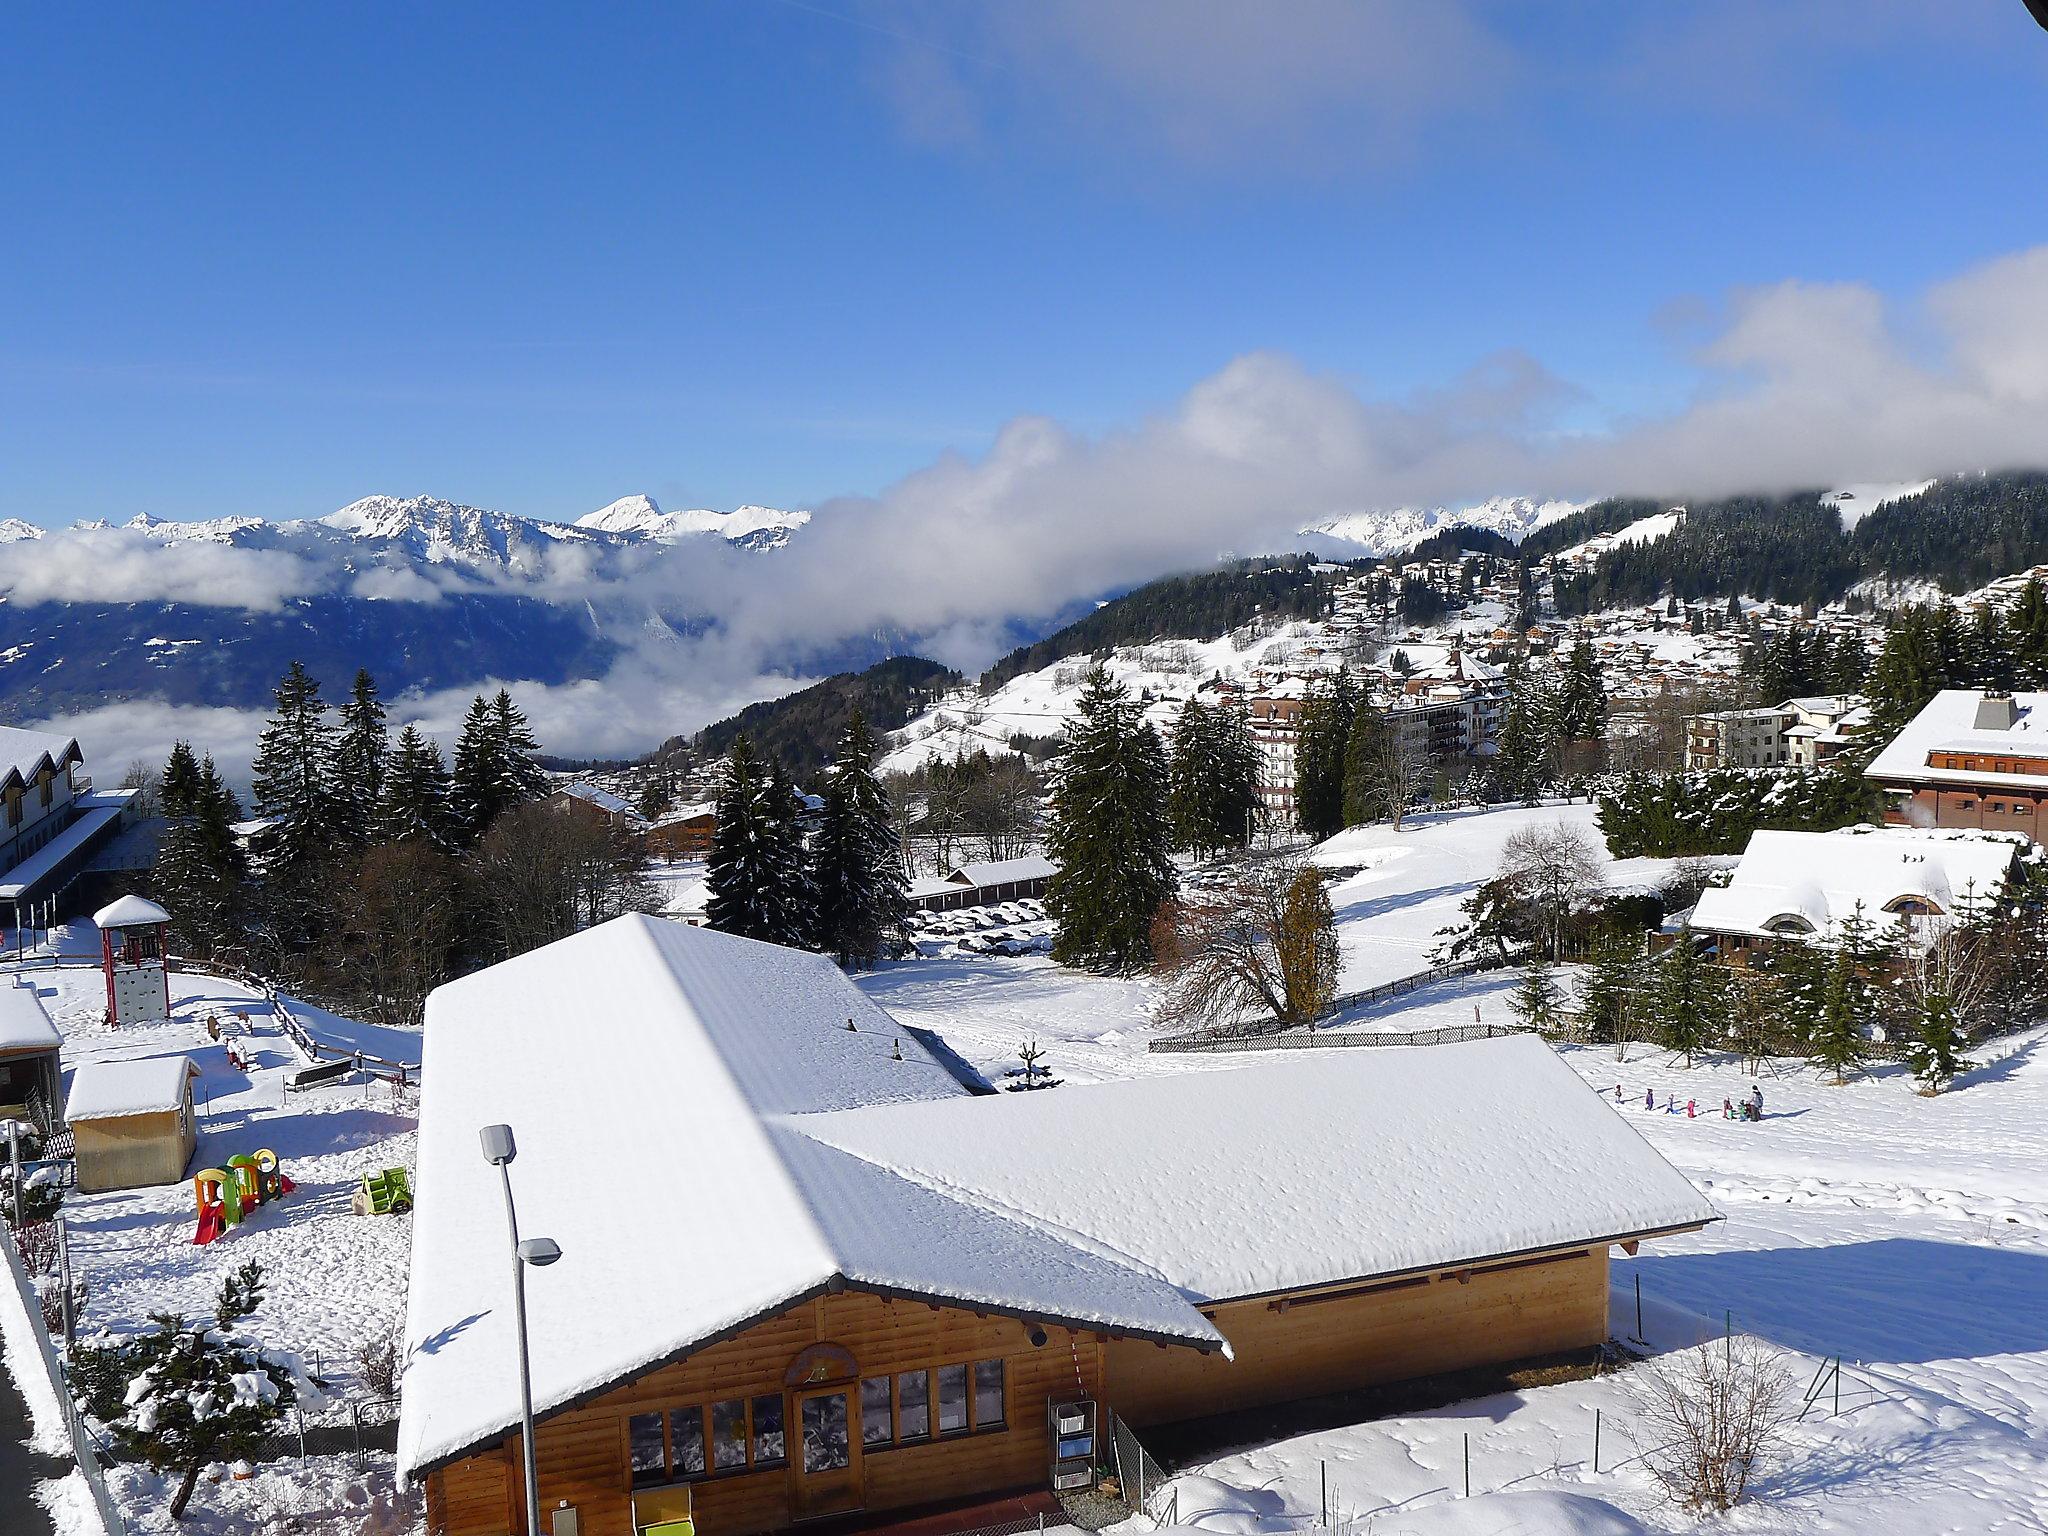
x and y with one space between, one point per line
84 1450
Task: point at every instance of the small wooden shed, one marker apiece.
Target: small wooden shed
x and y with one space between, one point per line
29 1045
132 1123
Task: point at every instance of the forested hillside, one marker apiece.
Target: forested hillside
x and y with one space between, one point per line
1958 534
1200 606
799 729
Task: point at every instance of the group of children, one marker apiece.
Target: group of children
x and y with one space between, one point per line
1751 1108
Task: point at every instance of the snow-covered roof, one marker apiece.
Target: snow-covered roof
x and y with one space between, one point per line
130 911
24 1022
96 812
603 799
1298 1173
685 1057
686 813
1816 879
1003 871
146 1085
1949 723
25 753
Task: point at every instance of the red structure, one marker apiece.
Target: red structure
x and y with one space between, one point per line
134 944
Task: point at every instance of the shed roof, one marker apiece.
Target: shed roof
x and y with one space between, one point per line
146 1085
24 1022
1003 871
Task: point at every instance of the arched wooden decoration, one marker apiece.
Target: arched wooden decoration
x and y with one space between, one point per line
819 1364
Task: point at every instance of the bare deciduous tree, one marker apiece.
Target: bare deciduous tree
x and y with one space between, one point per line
1263 939
1709 1419
1551 872
1001 809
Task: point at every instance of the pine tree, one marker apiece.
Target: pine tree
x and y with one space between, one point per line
1935 1052
1609 1002
1364 751
189 1394
1684 1001
414 802
1326 721
359 756
1108 833
1525 747
756 881
862 907
1582 713
521 777
293 785
472 789
1836 1038
1189 777
1537 1001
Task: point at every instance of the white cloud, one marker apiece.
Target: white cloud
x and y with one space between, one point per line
117 565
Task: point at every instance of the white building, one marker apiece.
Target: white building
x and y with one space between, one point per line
55 822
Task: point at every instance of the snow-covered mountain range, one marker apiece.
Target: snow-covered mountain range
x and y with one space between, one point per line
426 593
1397 530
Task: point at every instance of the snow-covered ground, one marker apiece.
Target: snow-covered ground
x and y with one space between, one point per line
333 1281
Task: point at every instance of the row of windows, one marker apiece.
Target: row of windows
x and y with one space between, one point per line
903 1409
741 1434
671 1447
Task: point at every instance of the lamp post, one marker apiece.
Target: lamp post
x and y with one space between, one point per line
499 1150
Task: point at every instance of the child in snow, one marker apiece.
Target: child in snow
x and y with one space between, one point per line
1727 1109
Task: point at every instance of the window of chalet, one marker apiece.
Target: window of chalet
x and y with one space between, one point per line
738 1433
898 1410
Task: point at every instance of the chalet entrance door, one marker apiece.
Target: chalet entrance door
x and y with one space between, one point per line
827 1460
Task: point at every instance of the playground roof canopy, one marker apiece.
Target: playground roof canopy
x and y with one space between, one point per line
710 1145
130 911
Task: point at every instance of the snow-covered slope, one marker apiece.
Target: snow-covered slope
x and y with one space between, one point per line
1644 530
1857 502
1399 529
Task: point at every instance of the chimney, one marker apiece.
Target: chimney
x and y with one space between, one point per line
1996 712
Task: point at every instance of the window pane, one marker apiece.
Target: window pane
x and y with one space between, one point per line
768 1446
875 1428
827 1445
728 1435
952 1398
686 1441
913 1405
988 1393
643 1448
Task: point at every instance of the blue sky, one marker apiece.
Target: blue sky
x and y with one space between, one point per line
269 259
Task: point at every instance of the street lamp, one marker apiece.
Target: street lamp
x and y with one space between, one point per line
499 1150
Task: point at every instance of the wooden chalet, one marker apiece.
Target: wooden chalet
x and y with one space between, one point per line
1970 759
813 1268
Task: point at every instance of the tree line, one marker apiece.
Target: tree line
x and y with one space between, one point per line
1716 810
374 871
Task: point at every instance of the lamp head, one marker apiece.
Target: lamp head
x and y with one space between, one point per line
499 1147
539 1251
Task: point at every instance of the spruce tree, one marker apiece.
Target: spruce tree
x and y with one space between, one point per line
472 789
1609 1002
1108 833
1582 714
1684 1001
1537 1001
520 775
292 781
359 756
1935 1052
862 907
414 802
1326 721
1836 1038
757 884
1190 777
1364 754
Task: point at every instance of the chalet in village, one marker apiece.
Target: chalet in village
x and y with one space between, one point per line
811 1267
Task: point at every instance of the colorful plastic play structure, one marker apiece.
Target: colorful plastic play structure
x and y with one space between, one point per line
226 1195
383 1194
